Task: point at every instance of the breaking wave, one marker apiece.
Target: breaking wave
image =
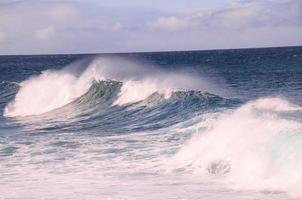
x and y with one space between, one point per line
251 145
134 81
256 146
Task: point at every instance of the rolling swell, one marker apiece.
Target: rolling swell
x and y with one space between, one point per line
116 121
7 92
111 96
152 113
97 111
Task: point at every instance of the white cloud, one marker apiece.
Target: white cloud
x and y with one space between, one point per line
169 23
239 16
65 26
63 12
45 33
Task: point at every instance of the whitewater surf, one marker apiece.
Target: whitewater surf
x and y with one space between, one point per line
176 125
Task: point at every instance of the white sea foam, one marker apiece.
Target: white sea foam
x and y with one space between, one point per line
254 147
124 166
50 90
54 89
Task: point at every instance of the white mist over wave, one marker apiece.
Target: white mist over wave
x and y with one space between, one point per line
54 89
43 93
254 147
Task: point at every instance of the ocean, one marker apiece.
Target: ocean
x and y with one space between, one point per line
187 125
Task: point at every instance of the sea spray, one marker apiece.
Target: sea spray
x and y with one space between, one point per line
53 89
255 147
112 140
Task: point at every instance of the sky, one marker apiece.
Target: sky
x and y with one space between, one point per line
109 26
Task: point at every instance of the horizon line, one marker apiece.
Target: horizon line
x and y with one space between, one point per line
160 51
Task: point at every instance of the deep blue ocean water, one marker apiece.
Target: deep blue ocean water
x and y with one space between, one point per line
219 124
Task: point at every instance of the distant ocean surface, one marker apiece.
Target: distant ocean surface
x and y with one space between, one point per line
219 124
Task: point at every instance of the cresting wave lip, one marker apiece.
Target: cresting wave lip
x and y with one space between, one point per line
53 89
256 146
95 110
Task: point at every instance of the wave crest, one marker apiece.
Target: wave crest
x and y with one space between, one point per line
54 89
257 146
